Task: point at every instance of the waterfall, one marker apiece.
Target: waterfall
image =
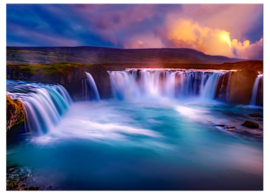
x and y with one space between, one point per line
210 86
85 90
43 105
170 83
257 87
92 86
223 87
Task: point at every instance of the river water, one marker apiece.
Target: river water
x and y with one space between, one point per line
139 143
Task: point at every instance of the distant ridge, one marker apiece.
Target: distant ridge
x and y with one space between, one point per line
102 55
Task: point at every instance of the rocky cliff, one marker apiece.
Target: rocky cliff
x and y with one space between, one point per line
241 85
15 118
69 75
15 112
102 79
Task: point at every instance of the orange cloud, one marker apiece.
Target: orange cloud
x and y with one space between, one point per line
238 19
185 33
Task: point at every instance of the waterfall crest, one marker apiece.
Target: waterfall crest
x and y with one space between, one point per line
43 104
155 83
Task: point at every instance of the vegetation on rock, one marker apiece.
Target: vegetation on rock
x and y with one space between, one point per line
15 112
69 75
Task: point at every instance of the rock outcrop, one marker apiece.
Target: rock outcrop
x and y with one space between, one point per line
241 86
15 112
102 79
15 118
250 124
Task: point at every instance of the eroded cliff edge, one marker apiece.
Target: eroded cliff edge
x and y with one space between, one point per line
69 75
15 117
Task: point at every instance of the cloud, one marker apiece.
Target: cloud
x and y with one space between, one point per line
42 38
148 41
233 30
238 19
185 33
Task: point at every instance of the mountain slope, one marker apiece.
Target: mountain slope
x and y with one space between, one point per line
101 55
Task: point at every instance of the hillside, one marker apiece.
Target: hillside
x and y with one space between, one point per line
100 55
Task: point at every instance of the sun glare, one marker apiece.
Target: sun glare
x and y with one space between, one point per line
225 36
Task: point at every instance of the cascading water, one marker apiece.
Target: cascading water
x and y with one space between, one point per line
257 90
223 87
92 86
43 103
211 85
173 83
83 151
85 92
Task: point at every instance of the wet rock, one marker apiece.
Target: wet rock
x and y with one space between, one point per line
23 178
15 118
221 125
16 178
12 186
15 112
250 124
241 86
11 170
32 188
255 115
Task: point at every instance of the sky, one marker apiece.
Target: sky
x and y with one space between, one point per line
232 30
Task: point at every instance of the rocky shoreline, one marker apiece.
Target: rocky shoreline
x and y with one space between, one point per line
18 178
246 126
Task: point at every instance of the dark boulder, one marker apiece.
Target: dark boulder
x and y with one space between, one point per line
221 125
250 124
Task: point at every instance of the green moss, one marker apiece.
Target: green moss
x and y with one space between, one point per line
46 69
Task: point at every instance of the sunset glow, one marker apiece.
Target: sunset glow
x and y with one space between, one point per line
141 97
225 36
232 30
